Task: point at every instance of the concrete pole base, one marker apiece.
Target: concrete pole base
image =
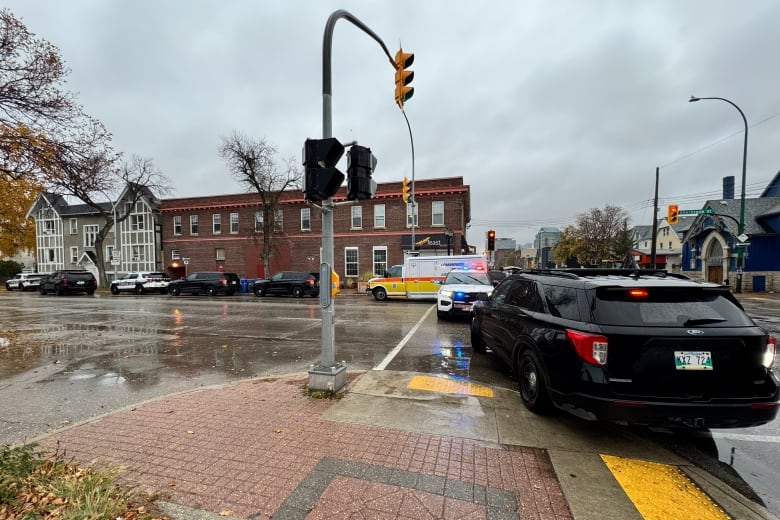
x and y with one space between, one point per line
328 379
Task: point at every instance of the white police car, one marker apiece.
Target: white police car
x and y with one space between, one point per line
459 292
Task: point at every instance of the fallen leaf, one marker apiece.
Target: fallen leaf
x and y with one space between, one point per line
225 512
172 484
278 430
190 432
224 346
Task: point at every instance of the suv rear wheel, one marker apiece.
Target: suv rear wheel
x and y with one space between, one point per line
297 292
533 389
211 290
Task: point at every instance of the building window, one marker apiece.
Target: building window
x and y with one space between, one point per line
138 254
379 215
109 253
136 222
219 253
74 255
90 234
278 221
437 212
351 261
234 223
305 219
380 260
357 217
259 221
48 227
177 225
216 224
175 254
411 215
74 226
50 255
193 224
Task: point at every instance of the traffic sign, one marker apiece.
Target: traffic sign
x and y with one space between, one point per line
185 260
706 211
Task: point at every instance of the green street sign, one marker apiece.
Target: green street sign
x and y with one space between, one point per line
707 211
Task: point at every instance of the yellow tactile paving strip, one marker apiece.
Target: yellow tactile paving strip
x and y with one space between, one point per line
448 386
661 491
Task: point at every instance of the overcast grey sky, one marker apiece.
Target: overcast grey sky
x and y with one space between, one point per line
546 108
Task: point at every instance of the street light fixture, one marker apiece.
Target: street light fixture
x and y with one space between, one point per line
741 228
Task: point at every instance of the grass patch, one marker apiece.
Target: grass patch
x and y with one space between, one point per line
322 394
34 486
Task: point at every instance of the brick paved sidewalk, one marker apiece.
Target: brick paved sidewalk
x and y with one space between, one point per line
261 449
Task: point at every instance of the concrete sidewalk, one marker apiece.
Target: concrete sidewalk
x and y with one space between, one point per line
398 445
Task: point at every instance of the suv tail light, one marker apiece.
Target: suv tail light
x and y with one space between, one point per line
769 352
223 281
310 281
592 348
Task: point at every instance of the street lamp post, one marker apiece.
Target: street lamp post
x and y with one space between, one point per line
741 226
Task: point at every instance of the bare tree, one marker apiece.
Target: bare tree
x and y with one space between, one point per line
253 164
98 181
42 128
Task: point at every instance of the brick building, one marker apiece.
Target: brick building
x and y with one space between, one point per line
223 232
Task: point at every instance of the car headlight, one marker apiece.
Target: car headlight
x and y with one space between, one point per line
446 294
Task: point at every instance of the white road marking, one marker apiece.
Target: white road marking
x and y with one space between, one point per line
397 348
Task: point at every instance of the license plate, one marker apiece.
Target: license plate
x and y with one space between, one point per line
80 282
687 360
463 306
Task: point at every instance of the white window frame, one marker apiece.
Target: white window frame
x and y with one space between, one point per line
234 223
348 265
139 254
74 254
175 254
379 216
305 219
177 225
379 267
109 252
356 218
216 224
412 215
193 224
219 254
437 213
74 226
90 234
259 221
278 220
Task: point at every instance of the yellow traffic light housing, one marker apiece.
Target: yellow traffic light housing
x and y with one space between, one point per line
406 193
403 77
673 214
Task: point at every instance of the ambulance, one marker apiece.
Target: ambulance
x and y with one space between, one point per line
420 277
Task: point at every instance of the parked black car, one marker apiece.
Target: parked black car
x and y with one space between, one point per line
207 282
632 346
295 283
68 282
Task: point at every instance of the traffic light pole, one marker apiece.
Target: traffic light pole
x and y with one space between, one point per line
329 375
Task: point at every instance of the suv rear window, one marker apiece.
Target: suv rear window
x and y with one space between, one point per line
664 307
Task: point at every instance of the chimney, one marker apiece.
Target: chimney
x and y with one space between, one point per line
728 187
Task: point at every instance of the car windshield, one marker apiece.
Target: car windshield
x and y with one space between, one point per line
470 278
678 307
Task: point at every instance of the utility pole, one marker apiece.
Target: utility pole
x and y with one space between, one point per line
655 221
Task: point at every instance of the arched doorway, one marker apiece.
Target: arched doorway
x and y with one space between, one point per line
715 262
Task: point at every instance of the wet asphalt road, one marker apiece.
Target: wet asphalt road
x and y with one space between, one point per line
67 359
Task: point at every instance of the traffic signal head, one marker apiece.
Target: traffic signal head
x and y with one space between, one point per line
491 240
673 214
360 166
403 92
321 179
406 194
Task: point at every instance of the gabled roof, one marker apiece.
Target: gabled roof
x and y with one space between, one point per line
773 188
643 232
